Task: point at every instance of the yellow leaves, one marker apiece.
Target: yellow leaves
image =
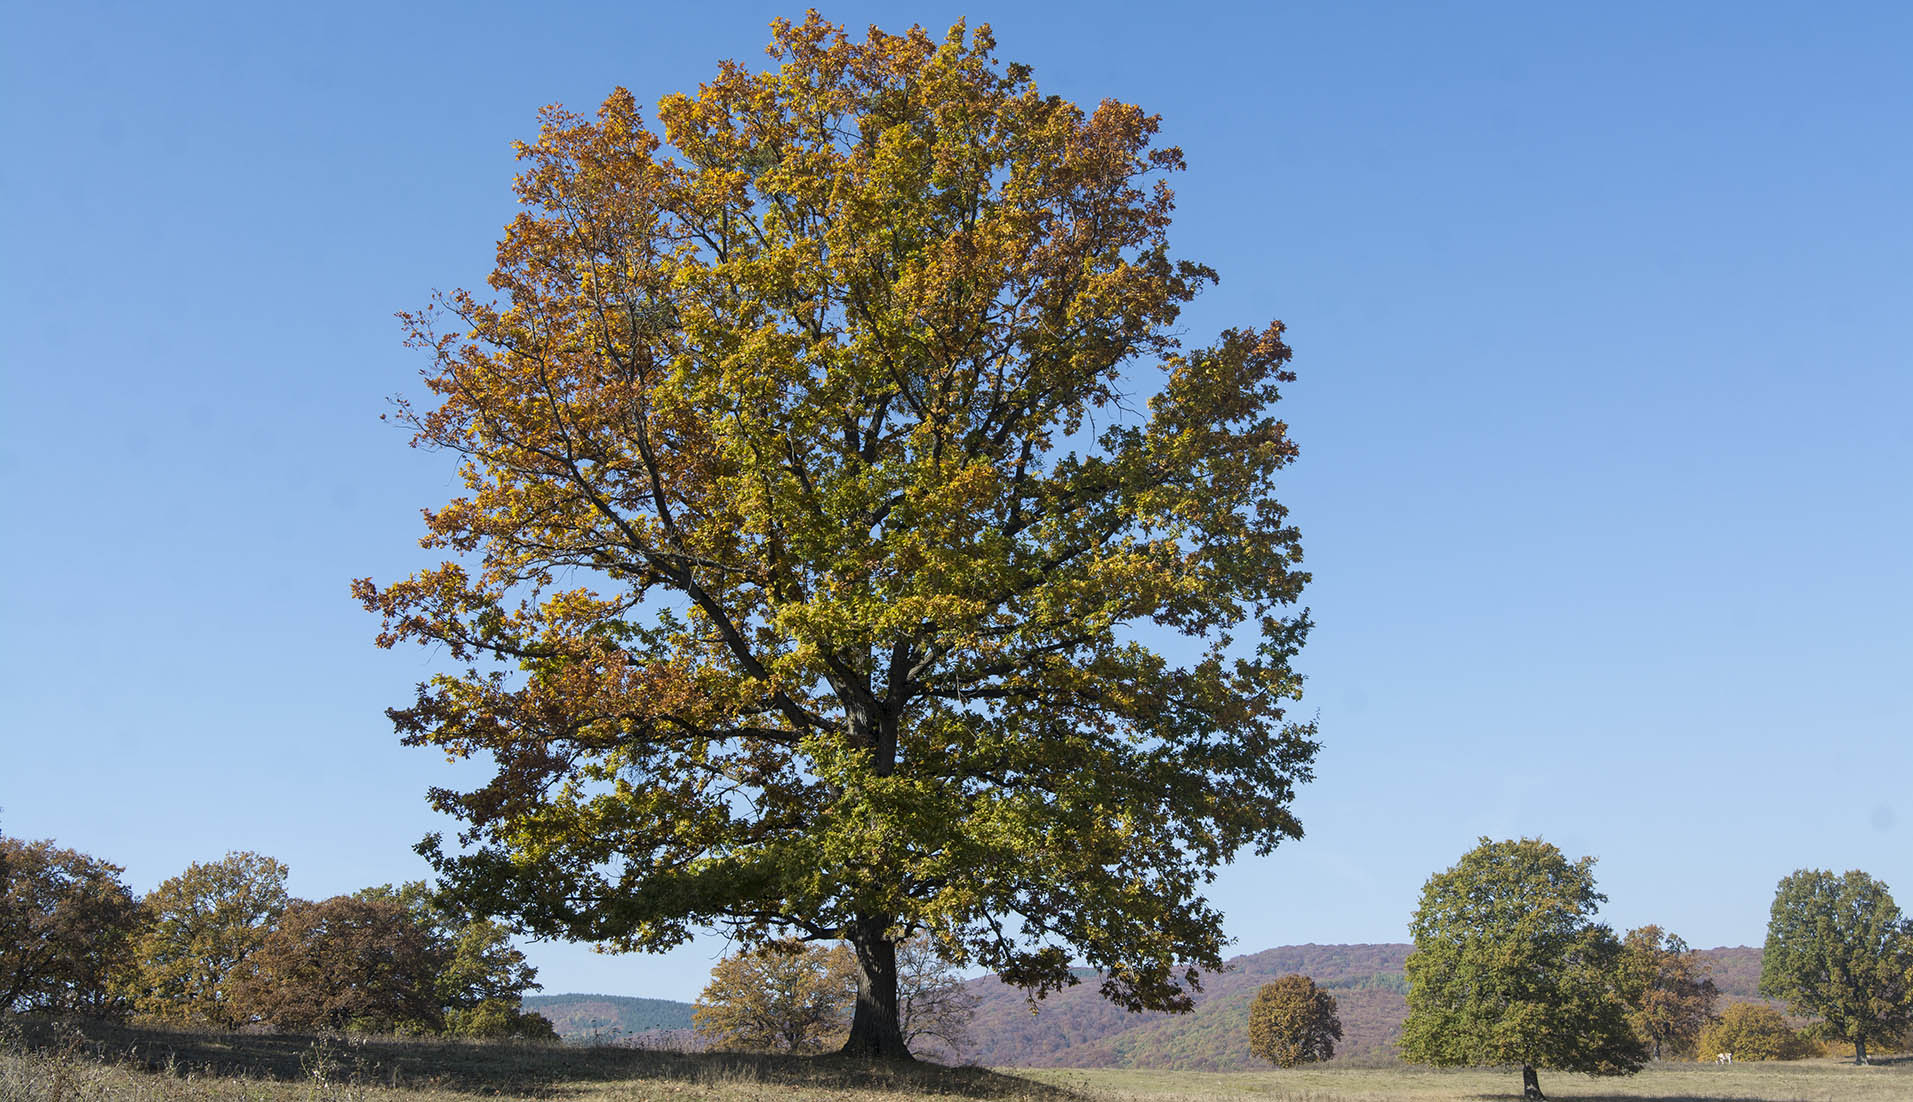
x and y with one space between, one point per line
806 591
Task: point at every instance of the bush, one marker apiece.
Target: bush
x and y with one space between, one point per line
1292 1022
498 1018
1754 1031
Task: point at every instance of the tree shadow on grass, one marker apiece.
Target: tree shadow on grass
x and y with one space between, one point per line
526 1069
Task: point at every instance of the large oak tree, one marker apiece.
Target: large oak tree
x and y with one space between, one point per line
201 929
1511 969
850 549
66 924
1838 948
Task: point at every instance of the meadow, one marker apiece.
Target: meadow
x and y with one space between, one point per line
48 1062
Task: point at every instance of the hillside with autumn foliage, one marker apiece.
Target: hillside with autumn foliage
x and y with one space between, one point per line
1078 1028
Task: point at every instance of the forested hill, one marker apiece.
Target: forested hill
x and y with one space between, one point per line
609 1018
1078 1028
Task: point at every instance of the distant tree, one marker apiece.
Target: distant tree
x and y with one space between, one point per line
1510 968
1753 1031
201 927
1668 988
344 963
66 926
483 983
495 1018
781 997
1839 949
1292 1022
482 978
935 1008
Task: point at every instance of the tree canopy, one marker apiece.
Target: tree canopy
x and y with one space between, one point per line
1510 968
781 997
849 546
201 928
66 921
1839 949
1667 987
344 963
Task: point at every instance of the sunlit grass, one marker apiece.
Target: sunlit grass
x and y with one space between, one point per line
82 1063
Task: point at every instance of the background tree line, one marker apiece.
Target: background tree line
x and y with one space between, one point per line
1511 969
223 945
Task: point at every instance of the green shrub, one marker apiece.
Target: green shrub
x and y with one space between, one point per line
1753 1031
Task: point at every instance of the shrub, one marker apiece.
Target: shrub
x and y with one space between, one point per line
1754 1031
1292 1022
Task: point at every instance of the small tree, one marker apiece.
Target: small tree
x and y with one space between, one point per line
782 997
66 923
202 925
1667 985
1839 949
935 1007
1753 1031
482 977
1292 1022
344 963
1510 968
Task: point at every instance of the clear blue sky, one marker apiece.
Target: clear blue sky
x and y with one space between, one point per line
1601 314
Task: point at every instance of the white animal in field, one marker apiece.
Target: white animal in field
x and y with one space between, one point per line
1723 1057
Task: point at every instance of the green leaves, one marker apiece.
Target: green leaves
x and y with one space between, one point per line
1510 967
816 565
1838 948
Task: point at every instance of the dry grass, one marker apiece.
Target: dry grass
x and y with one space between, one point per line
49 1062
80 1063
1823 1080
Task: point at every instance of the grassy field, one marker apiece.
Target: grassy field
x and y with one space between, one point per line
1824 1080
42 1062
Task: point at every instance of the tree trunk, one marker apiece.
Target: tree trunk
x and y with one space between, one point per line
876 1032
1860 1050
1531 1084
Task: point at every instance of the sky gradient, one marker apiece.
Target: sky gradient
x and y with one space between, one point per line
1600 316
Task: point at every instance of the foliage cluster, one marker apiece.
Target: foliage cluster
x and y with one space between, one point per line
1669 994
1753 1031
1292 1022
223 945
66 923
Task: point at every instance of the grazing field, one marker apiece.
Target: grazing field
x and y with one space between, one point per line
42 1061
1822 1080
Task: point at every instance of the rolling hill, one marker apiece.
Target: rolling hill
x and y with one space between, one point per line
1078 1028
610 1018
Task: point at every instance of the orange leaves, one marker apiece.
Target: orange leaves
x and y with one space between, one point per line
806 590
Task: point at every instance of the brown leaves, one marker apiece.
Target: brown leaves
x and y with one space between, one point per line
822 558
